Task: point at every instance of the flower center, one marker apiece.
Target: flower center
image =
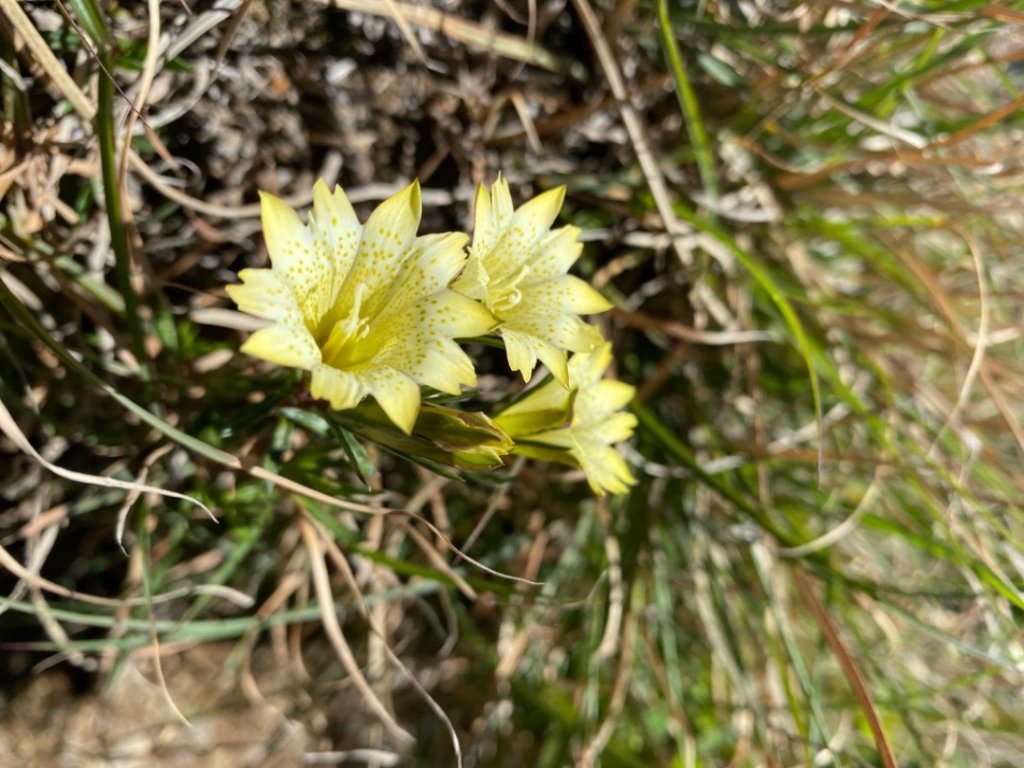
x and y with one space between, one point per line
504 294
338 350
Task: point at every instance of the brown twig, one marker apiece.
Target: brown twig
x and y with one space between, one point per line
850 669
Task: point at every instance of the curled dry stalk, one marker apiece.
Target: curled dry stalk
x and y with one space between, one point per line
322 583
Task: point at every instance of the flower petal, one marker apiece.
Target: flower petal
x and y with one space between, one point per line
618 427
516 247
555 253
599 401
340 388
333 221
604 468
432 266
589 367
596 422
601 463
542 409
461 318
474 280
545 397
539 335
336 234
396 393
563 295
523 351
441 314
388 236
290 245
537 215
554 360
493 213
288 345
418 339
264 293
439 363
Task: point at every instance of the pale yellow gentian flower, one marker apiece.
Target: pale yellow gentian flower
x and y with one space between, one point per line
580 425
517 269
366 309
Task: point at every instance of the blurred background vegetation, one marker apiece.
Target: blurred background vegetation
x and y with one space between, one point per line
808 217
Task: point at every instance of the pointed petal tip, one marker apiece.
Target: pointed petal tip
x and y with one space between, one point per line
404 419
405 202
599 303
397 394
554 197
415 196
501 196
276 212
540 212
557 364
270 200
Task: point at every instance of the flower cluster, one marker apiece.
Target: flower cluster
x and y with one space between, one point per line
374 309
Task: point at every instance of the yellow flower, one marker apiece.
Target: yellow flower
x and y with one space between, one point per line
517 268
578 426
365 308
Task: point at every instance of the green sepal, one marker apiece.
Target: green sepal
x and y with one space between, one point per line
545 452
454 438
473 439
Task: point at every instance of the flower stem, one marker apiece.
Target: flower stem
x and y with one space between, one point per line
92 21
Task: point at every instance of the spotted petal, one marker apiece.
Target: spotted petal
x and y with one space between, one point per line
556 252
529 225
427 351
267 294
431 267
530 336
493 214
565 295
290 245
341 389
395 392
292 346
386 244
336 236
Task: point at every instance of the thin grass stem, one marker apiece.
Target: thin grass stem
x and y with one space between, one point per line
688 105
92 22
